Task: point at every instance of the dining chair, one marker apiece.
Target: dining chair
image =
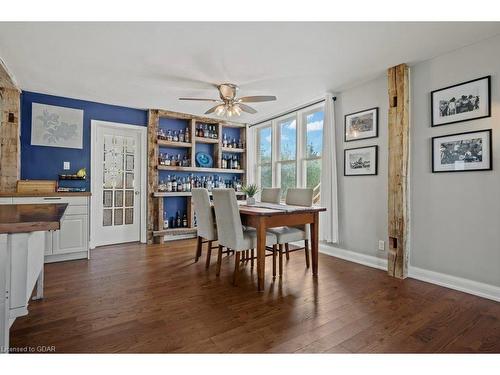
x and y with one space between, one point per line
230 231
285 235
270 195
206 227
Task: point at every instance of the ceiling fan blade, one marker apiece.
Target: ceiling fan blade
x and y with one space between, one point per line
212 110
257 99
246 108
200 99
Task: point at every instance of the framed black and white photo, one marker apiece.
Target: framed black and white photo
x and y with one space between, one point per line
361 125
361 161
462 102
462 152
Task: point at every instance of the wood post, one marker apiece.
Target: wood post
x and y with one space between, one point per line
9 131
153 120
399 126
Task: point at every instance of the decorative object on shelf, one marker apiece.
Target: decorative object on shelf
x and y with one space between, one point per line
360 161
56 126
250 191
465 101
230 105
71 177
71 190
361 125
36 186
180 136
204 160
462 152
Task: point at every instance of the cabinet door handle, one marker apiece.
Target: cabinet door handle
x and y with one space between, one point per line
52 198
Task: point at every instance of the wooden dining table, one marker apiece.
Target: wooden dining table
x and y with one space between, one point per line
263 218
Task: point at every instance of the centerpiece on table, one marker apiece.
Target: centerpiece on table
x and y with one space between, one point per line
250 191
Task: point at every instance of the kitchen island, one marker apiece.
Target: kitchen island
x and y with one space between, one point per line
22 233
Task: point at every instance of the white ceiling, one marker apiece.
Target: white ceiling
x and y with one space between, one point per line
151 65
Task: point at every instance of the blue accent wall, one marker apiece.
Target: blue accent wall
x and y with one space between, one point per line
42 162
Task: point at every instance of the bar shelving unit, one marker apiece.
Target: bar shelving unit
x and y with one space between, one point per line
158 201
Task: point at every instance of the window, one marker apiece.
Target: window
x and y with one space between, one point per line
287 162
264 156
295 159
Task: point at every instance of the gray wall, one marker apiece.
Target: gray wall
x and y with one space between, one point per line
363 199
455 217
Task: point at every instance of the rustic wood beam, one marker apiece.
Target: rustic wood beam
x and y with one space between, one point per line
399 126
9 131
153 121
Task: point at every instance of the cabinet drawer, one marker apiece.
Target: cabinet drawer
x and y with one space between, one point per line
5 200
72 201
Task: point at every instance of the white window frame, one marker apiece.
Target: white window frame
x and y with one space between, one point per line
301 146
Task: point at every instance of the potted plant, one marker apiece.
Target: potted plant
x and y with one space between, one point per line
250 191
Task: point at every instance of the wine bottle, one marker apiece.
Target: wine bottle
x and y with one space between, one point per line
184 221
178 219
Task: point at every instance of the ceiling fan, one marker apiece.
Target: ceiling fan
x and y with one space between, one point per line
231 105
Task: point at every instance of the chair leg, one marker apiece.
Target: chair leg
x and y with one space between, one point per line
281 258
306 249
236 268
252 256
274 261
286 250
199 244
247 255
209 254
219 260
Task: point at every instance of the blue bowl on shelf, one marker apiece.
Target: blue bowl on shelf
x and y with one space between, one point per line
204 160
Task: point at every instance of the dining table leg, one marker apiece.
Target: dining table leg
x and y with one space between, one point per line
315 243
261 253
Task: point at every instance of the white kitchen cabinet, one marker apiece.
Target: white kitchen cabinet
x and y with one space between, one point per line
72 240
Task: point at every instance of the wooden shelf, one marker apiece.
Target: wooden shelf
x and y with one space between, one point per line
199 169
159 194
164 143
233 150
206 140
174 231
233 125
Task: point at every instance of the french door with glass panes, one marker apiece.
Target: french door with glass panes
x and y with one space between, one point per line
116 183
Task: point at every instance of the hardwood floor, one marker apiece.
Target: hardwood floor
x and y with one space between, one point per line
137 298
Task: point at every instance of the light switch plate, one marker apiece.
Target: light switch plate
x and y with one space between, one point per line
66 165
381 245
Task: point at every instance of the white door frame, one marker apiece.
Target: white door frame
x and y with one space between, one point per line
143 131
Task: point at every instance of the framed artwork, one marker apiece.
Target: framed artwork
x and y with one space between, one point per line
361 161
462 102
463 152
56 126
361 125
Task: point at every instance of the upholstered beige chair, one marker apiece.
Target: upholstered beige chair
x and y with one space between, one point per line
270 195
230 231
205 220
285 235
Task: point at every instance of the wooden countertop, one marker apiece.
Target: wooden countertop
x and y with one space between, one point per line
58 194
22 218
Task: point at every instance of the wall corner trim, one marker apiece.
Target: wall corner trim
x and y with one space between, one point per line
448 281
458 283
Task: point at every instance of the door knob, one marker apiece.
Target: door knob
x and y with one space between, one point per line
137 192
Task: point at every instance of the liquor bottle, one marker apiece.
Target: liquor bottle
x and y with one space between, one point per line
160 159
214 133
202 133
234 143
166 160
169 184
178 219
169 135
179 160
180 185
174 184
165 220
188 184
184 220
206 131
187 136
176 136
223 162
181 136
240 144
224 140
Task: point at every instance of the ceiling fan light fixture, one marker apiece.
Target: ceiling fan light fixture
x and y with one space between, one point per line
220 110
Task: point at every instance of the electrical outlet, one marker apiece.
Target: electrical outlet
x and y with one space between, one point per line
66 165
381 245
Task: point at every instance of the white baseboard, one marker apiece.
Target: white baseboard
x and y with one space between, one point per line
458 283
453 282
367 260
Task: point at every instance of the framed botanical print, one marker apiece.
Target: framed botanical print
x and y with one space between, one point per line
361 161
462 102
361 125
462 152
